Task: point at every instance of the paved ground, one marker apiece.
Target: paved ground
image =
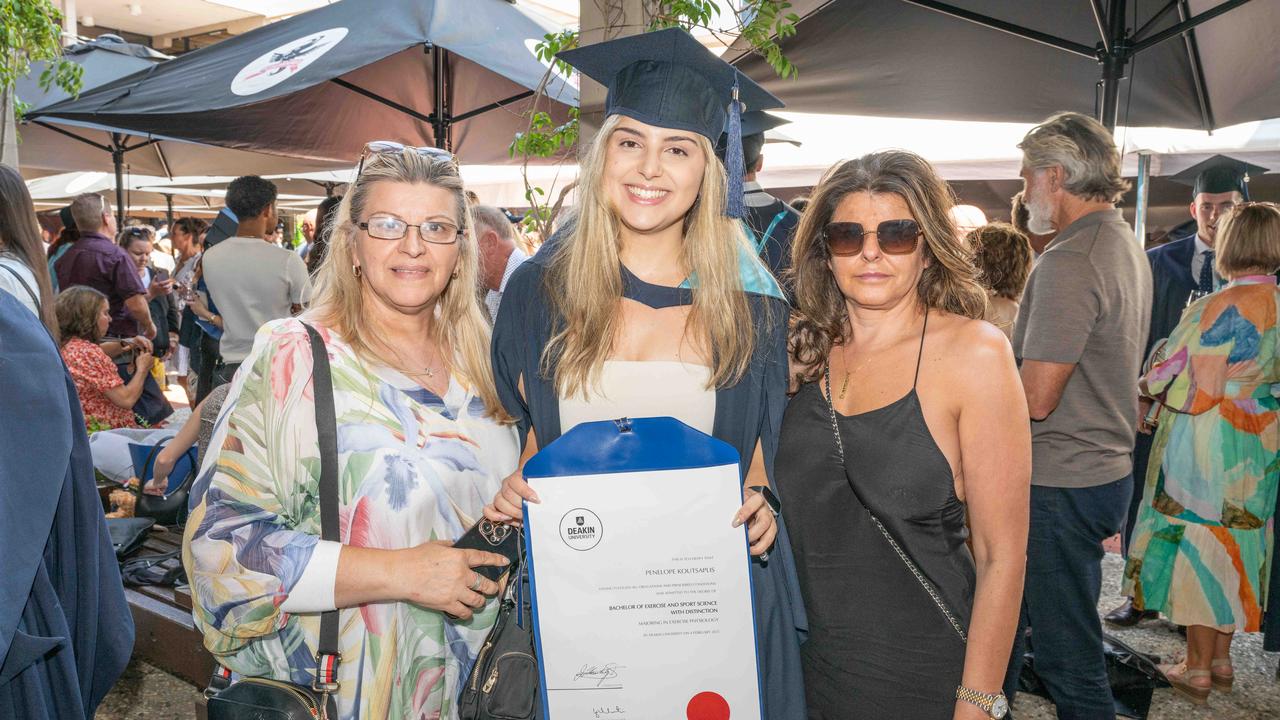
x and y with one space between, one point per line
146 693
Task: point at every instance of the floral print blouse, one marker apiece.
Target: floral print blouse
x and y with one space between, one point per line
413 468
94 373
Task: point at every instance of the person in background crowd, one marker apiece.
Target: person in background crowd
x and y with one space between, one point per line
96 261
139 242
1201 552
1079 338
186 237
105 398
800 203
1002 256
603 322
499 256
771 222
250 280
307 235
66 238
886 344
23 273
325 216
66 632
1018 217
1181 270
966 219
422 440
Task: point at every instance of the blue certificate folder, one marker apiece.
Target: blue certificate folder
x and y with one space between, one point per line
622 447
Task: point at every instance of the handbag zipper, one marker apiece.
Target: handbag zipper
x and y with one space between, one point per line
303 698
475 676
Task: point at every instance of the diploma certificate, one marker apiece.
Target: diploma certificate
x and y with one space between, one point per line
641 585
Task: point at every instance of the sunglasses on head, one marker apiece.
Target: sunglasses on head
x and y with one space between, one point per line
391 147
896 237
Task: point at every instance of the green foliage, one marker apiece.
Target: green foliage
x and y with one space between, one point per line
760 22
32 31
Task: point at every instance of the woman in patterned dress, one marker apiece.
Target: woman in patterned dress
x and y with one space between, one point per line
107 401
423 443
1201 552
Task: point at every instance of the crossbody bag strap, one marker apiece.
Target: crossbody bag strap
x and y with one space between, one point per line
906 559
327 655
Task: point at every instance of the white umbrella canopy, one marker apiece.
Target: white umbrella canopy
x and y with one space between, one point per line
142 192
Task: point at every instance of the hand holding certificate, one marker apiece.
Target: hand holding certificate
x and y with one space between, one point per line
641 584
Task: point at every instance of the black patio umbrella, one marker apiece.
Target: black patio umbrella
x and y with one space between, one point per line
319 85
1171 63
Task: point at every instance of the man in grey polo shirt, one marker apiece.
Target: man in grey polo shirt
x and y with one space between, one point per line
1079 338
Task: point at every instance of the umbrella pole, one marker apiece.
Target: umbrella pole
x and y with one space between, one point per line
1116 56
1143 193
168 213
117 159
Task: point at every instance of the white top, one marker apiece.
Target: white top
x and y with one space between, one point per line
493 298
651 388
10 284
252 283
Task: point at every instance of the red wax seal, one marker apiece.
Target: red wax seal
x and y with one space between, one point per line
708 706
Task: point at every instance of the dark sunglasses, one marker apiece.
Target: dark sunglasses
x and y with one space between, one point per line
391 147
896 237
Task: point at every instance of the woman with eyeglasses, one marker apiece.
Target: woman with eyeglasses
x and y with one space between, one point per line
422 441
653 304
905 454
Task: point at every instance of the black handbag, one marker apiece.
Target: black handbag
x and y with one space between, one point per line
503 684
128 534
169 509
254 698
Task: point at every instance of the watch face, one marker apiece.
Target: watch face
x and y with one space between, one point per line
999 708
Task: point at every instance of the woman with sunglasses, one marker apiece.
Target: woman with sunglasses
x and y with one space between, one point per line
653 304
905 454
422 444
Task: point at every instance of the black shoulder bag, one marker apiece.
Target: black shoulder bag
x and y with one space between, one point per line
253 698
503 684
906 559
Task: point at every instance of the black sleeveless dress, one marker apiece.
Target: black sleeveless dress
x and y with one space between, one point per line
878 646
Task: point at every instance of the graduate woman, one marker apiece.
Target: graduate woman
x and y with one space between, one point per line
653 304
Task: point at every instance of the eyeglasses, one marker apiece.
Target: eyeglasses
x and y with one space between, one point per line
391 147
389 227
896 237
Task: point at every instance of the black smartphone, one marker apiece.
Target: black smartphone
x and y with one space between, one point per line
495 538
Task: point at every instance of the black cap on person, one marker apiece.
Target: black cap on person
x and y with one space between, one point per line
668 79
1219 174
755 123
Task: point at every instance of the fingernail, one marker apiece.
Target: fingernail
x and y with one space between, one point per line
737 522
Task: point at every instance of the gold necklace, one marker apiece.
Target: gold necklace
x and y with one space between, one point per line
844 385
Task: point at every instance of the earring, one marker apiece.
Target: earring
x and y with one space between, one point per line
454 276
355 270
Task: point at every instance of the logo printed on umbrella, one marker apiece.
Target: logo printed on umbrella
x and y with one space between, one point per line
276 66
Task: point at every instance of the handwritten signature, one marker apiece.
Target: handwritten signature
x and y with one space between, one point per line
607 711
599 673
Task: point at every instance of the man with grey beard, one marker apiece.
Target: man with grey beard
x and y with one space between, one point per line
1078 339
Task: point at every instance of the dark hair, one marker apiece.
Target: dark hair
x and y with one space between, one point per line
799 203
326 215
20 237
1019 215
948 282
78 308
752 149
191 226
1002 255
249 195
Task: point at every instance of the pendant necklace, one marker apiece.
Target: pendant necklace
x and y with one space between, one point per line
844 385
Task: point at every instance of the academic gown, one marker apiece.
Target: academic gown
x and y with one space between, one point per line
65 629
772 227
746 412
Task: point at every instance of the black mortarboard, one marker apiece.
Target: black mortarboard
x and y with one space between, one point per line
65 216
1219 174
669 80
754 125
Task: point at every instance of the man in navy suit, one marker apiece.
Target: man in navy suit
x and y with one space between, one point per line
1181 271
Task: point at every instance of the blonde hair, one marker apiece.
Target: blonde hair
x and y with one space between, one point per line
1249 240
584 281
461 325
948 283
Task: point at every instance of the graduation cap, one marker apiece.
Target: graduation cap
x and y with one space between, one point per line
669 80
1219 174
754 125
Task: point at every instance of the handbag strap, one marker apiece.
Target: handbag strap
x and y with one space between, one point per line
906 559
327 655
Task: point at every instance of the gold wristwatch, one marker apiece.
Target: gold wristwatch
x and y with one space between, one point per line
995 706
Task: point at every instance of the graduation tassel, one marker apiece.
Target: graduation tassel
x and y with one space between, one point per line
733 160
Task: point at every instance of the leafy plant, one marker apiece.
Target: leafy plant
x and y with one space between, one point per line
33 32
760 22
